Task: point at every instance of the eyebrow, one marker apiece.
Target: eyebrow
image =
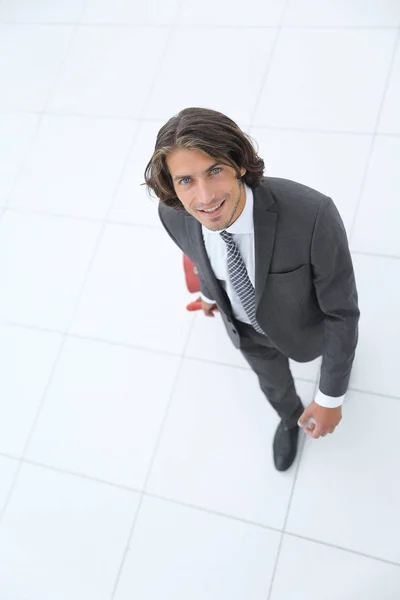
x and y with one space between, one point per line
176 177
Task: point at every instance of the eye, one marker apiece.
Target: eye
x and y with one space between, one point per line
183 180
216 170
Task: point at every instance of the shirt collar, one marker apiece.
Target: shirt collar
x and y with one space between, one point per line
244 223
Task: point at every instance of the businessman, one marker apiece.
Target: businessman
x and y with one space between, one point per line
272 257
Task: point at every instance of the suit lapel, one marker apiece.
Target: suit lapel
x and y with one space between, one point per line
264 236
193 228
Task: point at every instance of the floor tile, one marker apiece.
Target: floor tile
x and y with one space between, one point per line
347 492
8 469
30 59
310 70
41 11
153 12
309 370
16 135
33 354
63 536
378 217
266 13
357 13
113 400
232 472
128 298
321 571
105 73
376 363
74 166
209 341
132 203
43 263
390 119
201 79
196 555
333 164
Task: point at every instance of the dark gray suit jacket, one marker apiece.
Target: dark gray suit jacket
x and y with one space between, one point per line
305 289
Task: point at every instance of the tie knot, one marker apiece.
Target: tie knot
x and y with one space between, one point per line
227 237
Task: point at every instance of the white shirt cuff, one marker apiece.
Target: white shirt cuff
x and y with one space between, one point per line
329 401
207 299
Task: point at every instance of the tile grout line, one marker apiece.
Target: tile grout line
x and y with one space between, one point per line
91 261
142 492
178 371
197 508
95 220
161 120
46 112
21 459
361 253
374 135
151 462
257 26
99 220
317 131
252 119
99 239
174 354
87 24
342 548
105 221
300 457
150 467
368 161
74 26
80 218
267 70
71 114
15 181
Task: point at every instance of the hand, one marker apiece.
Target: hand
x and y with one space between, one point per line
208 309
326 420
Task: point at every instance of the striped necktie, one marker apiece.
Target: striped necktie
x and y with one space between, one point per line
240 279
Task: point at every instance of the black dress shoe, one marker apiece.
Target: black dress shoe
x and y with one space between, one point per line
285 446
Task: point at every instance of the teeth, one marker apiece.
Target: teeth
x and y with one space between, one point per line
211 210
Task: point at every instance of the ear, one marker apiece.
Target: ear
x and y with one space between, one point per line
242 171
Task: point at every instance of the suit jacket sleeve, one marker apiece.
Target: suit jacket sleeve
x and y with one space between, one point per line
162 212
336 291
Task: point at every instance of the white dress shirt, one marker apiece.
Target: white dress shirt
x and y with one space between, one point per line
242 231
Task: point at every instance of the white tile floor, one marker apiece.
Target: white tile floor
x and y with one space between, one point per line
135 445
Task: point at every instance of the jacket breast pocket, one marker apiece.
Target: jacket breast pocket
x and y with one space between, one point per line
290 276
291 293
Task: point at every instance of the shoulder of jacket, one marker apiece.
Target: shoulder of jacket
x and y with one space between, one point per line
171 215
290 194
281 187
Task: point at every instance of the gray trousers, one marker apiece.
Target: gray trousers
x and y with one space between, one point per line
272 369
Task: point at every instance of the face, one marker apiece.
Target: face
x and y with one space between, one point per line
209 190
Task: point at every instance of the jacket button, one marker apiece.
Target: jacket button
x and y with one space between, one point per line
234 331
228 319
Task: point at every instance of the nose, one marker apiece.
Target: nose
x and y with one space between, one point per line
205 195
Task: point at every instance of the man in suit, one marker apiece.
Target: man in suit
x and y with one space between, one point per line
272 256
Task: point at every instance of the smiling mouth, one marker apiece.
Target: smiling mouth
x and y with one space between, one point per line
210 211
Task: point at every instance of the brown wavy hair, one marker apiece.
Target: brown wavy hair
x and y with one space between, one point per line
210 132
